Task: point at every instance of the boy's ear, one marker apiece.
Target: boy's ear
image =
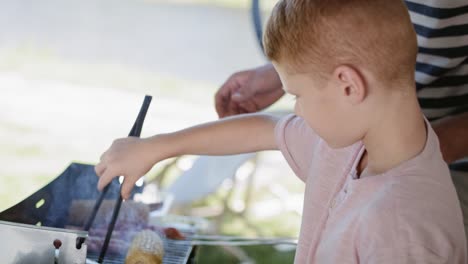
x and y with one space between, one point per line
351 83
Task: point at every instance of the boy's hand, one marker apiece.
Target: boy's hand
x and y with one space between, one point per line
129 157
248 91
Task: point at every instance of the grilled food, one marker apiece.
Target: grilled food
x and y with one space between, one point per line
146 248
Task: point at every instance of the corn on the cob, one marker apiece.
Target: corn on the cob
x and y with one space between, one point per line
146 248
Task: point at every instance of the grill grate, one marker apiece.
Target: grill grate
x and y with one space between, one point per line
174 253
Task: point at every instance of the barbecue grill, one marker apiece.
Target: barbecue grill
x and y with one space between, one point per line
48 207
37 226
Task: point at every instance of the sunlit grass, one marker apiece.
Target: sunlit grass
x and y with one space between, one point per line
42 64
16 187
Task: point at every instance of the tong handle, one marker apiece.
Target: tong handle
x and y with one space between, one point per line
138 125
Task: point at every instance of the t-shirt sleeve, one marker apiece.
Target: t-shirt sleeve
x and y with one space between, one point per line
297 142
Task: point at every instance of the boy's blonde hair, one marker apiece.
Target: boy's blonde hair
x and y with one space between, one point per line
374 34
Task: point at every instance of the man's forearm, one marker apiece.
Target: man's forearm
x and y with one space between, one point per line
233 135
453 137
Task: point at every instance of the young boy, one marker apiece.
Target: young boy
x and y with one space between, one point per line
377 188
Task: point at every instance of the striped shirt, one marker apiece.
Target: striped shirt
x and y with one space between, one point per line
442 62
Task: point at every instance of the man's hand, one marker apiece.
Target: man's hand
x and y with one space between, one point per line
248 91
453 137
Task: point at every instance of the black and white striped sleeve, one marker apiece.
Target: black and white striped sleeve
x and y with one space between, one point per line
442 62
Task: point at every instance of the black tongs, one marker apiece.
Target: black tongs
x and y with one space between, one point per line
134 132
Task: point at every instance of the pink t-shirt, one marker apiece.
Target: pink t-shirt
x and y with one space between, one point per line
409 214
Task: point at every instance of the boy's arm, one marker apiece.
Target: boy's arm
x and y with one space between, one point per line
233 135
134 157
